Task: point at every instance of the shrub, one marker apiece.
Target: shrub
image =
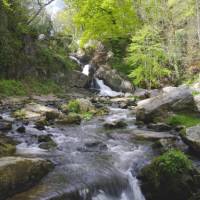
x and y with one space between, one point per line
172 163
169 176
73 106
11 88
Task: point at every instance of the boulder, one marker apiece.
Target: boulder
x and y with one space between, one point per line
141 93
7 146
124 102
191 136
78 79
170 176
159 127
35 111
52 115
113 79
21 129
46 142
85 105
115 124
19 174
151 135
5 125
72 118
40 124
172 99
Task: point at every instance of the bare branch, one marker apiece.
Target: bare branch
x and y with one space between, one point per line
42 6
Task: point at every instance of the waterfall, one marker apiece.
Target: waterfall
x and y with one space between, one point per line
86 69
75 59
103 89
107 91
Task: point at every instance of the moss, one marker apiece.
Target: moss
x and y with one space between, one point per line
19 114
182 119
21 175
169 176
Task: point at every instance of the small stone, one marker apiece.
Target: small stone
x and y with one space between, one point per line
115 124
21 129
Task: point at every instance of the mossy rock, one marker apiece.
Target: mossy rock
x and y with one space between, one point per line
72 118
19 174
170 176
7 146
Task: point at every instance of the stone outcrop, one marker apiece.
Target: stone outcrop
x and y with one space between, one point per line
172 99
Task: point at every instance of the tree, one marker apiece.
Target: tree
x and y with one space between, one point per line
104 19
147 58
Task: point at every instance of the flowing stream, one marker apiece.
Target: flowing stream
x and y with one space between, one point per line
92 163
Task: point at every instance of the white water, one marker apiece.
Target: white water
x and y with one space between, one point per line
86 69
107 91
75 59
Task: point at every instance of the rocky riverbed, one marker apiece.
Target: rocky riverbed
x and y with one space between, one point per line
65 156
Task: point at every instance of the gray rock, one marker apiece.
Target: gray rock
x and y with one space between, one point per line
21 129
191 136
173 99
5 125
151 135
115 124
78 79
18 174
72 118
159 127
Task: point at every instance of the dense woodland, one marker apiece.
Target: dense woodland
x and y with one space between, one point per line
153 42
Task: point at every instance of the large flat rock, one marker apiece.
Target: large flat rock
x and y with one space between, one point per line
18 174
151 135
172 99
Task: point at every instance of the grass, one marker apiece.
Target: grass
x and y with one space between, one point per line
182 119
24 88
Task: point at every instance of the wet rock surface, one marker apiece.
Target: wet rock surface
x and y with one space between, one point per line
18 174
92 162
172 99
191 136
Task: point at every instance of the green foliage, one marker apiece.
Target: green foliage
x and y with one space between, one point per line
11 88
104 19
147 58
87 115
42 87
172 163
73 106
24 88
182 119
